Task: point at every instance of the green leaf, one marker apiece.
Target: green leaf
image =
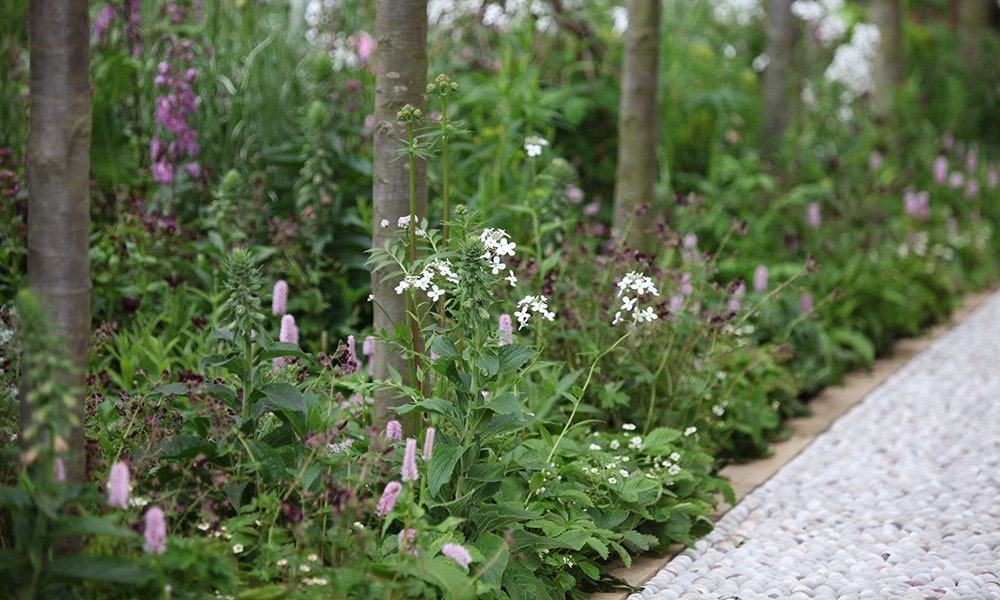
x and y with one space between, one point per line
489 364
443 347
183 446
441 467
503 404
68 526
446 573
660 441
522 584
267 592
496 554
97 568
513 357
14 498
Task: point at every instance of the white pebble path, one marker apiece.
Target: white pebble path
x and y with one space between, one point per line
899 499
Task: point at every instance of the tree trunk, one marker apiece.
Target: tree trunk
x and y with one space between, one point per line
888 16
973 18
780 83
638 126
58 165
400 79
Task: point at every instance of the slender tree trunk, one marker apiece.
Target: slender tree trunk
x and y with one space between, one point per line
973 19
888 16
638 126
780 82
400 79
58 153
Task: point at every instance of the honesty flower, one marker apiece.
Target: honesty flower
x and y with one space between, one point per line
532 304
533 145
457 553
118 485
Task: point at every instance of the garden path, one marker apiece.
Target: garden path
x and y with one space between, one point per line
899 499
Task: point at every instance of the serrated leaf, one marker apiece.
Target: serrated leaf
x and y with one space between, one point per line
442 466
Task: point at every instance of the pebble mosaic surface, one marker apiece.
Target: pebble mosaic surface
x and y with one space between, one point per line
899 499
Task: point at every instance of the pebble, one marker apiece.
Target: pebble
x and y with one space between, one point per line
896 500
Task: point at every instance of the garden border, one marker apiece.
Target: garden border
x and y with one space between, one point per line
827 406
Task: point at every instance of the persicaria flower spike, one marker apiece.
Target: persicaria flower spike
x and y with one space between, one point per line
813 215
352 365
368 349
289 331
393 430
760 279
457 553
506 330
155 531
59 470
279 298
118 485
388 500
410 472
429 443
406 540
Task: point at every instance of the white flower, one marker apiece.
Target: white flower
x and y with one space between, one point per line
497 265
612 480
690 431
312 558
203 526
595 447
675 456
403 221
533 146
673 470
718 410
282 562
435 293
384 223
623 472
628 426
594 470
512 278
237 548
532 304
619 20
635 442
614 445
305 568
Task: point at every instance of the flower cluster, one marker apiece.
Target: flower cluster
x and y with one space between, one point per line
176 76
824 17
853 63
737 12
437 268
532 304
917 204
533 146
631 288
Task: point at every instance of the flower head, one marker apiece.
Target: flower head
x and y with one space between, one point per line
813 215
394 430
289 331
406 540
388 500
533 145
118 485
506 330
532 304
457 553
410 472
155 531
429 443
279 298
760 279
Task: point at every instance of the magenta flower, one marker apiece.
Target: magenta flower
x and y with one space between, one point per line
155 531
394 431
410 461
506 330
917 204
407 544
388 500
429 443
956 179
676 303
940 169
813 216
457 553
163 172
102 22
760 279
118 485
279 298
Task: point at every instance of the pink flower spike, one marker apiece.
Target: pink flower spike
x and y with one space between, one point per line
59 470
807 302
407 544
457 553
368 349
388 500
410 461
393 430
760 279
352 365
506 330
279 298
289 331
813 215
429 443
118 485
940 169
155 531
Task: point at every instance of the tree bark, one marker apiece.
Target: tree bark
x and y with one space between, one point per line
58 164
400 79
780 83
638 126
888 16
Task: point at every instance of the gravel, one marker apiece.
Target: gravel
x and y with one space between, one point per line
899 499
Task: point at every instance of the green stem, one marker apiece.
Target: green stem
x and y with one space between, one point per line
445 185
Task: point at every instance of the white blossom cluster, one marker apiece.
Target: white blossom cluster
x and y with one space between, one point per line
498 245
440 270
630 288
853 63
533 145
532 305
737 12
824 16
446 14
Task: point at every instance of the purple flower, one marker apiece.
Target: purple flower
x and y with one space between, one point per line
394 431
163 172
157 148
406 544
690 241
972 159
59 470
506 330
917 204
279 298
289 332
807 302
686 287
352 364
155 531
676 303
102 22
592 209
457 553
956 179
118 485
940 169
429 443
410 461
193 169
368 349
760 279
388 500
813 215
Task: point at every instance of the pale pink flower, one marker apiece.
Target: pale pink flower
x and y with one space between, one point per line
289 331
368 349
760 279
429 443
506 330
992 176
393 430
352 365
874 160
807 302
940 169
956 179
457 553
972 188
407 544
410 472
118 485
279 298
813 215
155 531
388 500
59 470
